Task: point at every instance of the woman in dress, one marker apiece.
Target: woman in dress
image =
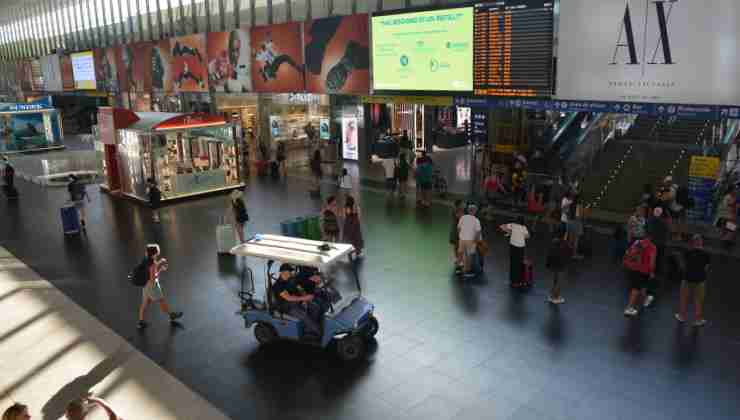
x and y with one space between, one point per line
352 232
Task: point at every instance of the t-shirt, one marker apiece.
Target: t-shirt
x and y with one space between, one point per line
469 227
696 262
565 209
389 166
281 286
658 229
519 235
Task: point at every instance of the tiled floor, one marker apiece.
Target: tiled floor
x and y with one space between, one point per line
446 349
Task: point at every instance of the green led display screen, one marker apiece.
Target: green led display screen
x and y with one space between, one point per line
423 51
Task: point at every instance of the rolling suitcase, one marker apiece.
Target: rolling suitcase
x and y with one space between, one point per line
70 220
225 238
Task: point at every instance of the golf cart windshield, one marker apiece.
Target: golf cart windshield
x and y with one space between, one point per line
302 252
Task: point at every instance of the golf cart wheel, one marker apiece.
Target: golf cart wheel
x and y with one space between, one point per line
264 333
350 348
372 327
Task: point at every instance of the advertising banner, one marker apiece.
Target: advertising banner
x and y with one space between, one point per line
161 66
324 132
106 71
229 61
141 67
349 138
124 64
423 51
189 66
68 79
337 55
83 70
278 58
52 73
649 51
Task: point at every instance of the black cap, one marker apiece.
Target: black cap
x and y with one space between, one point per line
286 267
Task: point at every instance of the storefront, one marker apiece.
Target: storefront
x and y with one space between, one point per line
28 127
241 110
300 120
187 154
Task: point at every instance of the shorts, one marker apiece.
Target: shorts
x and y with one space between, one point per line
467 248
575 227
698 289
390 184
638 281
153 291
79 204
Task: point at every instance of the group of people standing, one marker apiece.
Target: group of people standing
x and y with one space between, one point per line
342 224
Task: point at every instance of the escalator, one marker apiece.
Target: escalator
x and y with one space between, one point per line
565 138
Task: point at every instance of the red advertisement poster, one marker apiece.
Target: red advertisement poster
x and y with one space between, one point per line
337 55
277 64
189 72
229 61
141 67
161 67
68 79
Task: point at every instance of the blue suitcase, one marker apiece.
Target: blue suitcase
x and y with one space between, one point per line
70 220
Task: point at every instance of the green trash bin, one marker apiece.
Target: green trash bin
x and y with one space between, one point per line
301 227
313 228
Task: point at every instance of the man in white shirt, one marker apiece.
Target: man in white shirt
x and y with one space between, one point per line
389 167
469 229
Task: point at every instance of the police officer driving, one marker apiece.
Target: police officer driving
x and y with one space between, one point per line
292 301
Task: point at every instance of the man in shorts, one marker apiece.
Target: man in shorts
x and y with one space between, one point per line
641 276
697 268
469 228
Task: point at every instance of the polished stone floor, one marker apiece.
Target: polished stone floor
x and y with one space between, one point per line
446 349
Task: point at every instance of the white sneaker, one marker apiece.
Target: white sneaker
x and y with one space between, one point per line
679 318
630 311
559 301
648 301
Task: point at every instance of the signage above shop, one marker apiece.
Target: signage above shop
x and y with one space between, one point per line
405 99
190 121
705 112
39 105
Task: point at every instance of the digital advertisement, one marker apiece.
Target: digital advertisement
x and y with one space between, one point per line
274 126
423 51
161 69
189 63
277 65
649 51
83 70
324 133
349 138
337 55
229 66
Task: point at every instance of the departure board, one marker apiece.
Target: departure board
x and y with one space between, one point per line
513 44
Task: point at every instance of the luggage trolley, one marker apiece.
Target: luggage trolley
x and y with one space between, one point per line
348 322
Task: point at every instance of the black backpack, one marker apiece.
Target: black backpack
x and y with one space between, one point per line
139 276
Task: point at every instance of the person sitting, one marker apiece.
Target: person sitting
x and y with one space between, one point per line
292 301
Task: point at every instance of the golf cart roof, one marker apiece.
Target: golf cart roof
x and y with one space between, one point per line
296 251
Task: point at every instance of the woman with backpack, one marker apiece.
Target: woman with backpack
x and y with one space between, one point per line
330 216
150 269
239 211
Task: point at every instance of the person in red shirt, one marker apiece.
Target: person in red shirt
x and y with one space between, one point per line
640 272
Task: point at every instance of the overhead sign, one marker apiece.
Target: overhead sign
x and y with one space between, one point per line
39 105
704 167
649 51
428 50
405 99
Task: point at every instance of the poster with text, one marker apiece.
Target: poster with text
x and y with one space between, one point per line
277 65
349 138
651 51
337 55
52 72
229 68
141 67
161 66
68 78
189 67
324 132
